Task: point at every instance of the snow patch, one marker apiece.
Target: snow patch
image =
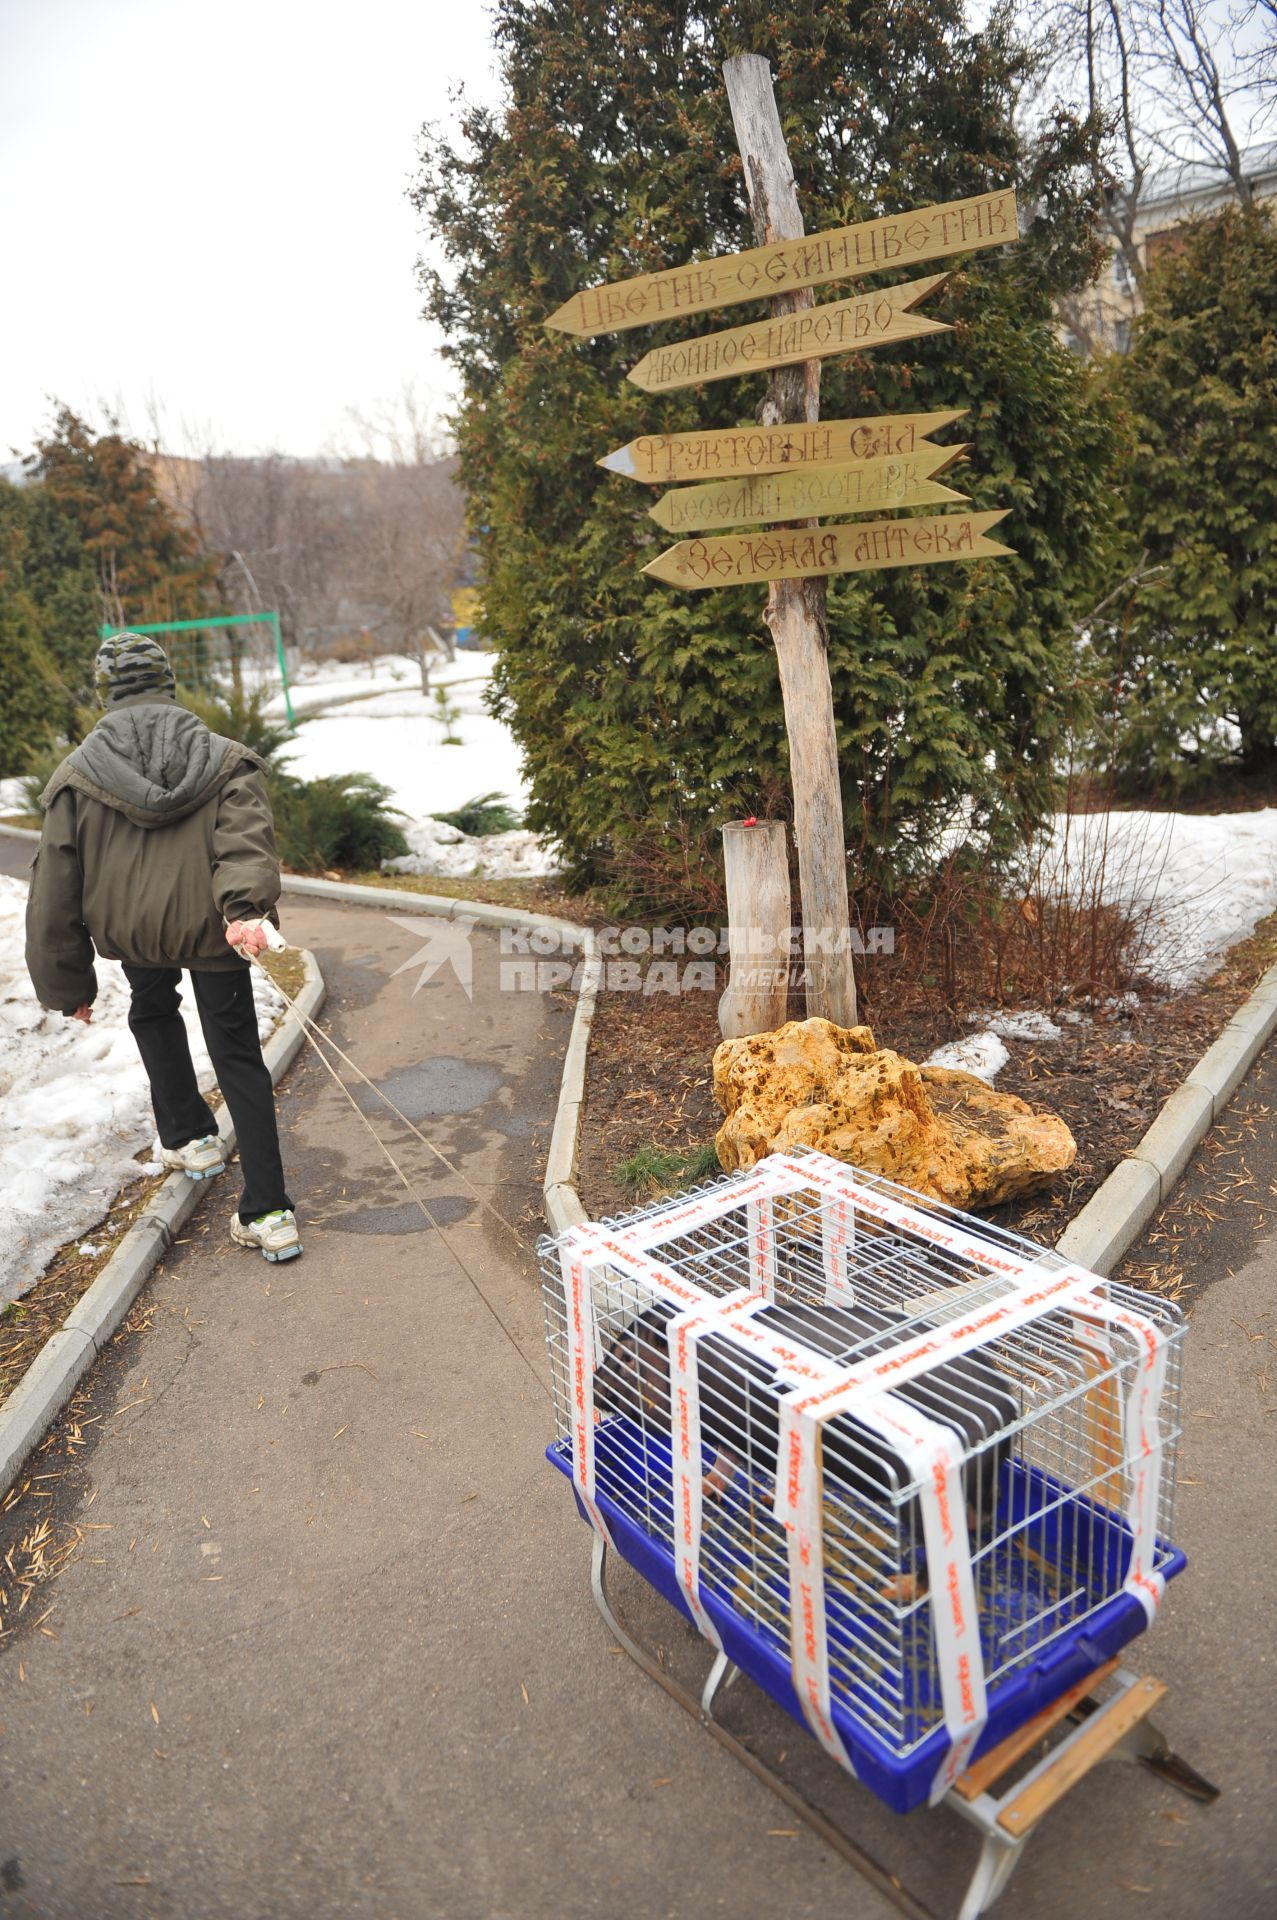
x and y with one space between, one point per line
982 1054
398 734
1195 884
440 849
399 737
1023 1023
312 683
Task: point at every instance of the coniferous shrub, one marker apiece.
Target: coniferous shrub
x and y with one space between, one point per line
486 813
242 717
648 715
33 699
88 537
340 820
1192 654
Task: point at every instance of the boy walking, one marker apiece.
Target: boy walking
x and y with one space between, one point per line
158 849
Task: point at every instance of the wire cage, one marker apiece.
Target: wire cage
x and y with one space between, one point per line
837 1424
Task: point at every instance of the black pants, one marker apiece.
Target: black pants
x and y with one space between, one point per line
224 1001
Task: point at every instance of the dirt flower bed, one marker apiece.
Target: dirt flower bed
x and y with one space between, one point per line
648 1084
651 1118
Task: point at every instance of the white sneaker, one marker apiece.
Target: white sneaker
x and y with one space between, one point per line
201 1159
274 1235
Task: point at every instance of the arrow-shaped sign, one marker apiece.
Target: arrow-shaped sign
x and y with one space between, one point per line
659 458
854 486
842 326
873 246
735 559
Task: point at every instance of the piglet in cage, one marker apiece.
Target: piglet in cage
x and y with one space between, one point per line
739 1418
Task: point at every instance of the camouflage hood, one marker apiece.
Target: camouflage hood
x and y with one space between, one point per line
152 760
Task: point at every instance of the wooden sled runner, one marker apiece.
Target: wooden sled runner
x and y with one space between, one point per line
1083 1730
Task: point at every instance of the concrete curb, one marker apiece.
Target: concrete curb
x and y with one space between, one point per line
561 1203
48 1382
1115 1216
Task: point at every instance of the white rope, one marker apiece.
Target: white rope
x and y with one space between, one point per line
315 1034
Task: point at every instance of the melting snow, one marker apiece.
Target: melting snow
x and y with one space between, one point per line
1023 1023
1194 884
982 1054
387 727
437 848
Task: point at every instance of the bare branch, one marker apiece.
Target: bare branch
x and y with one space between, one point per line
1181 84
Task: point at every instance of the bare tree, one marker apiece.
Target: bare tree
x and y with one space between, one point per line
411 534
1254 24
1198 88
283 520
1182 87
404 430
369 538
406 549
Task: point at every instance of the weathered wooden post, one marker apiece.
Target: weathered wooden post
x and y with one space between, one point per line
756 863
796 608
793 465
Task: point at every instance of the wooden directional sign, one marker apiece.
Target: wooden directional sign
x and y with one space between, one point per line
659 458
854 486
873 246
842 326
734 559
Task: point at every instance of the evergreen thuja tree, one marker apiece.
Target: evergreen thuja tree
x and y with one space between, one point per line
648 715
1194 663
59 575
32 698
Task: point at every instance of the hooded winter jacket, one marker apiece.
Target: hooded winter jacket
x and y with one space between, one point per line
157 832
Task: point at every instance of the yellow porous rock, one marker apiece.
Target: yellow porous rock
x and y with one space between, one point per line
942 1133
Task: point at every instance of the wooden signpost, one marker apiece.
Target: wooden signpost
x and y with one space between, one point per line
851 486
842 326
793 262
795 553
792 465
660 458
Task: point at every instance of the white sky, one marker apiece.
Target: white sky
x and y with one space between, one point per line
203 209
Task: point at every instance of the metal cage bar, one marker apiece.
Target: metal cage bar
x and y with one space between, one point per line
1038 1412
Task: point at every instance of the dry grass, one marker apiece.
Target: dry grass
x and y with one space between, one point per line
533 896
27 1323
287 970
